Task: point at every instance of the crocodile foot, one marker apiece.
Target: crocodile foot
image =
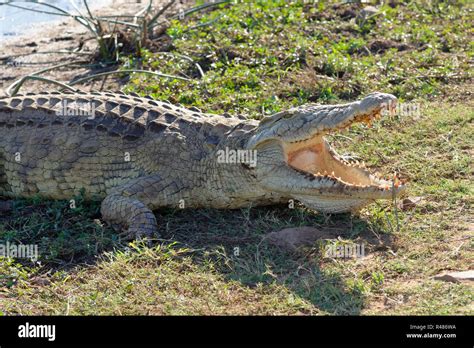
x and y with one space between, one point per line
134 219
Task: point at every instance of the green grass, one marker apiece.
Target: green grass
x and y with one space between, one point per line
264 56
258 59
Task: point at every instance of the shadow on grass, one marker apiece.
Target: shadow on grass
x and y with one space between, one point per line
232 241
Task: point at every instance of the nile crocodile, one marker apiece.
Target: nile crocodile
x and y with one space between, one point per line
137 154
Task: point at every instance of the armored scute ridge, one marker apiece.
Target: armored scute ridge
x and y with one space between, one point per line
137 154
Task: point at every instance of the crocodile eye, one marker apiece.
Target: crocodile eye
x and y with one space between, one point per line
266 120
275 117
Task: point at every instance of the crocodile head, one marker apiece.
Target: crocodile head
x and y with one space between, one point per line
296 161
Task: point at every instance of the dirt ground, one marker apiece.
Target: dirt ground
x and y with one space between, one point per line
24 54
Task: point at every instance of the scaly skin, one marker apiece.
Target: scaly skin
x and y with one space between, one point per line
137 155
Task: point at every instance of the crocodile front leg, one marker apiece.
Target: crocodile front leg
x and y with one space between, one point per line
132 215
129 206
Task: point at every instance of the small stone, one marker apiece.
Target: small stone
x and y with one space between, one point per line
456 277
6 206
365 14
410 203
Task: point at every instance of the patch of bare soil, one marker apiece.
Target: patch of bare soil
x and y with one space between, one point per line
294 237
50 44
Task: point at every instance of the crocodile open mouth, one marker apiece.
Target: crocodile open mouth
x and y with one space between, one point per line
314 156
